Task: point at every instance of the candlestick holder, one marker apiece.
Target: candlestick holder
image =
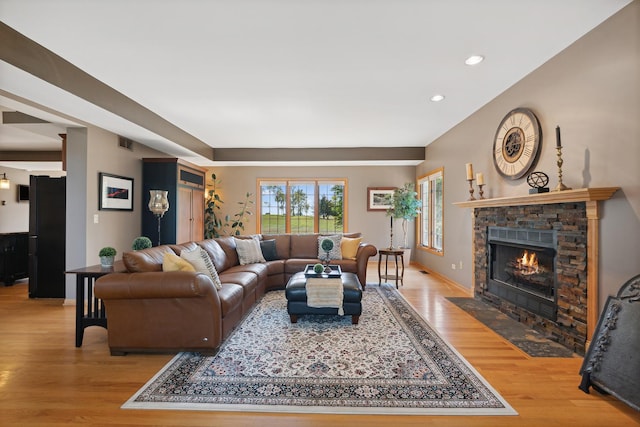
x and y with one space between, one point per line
480 191
560 186
471 189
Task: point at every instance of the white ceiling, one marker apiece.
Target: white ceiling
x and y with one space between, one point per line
290 73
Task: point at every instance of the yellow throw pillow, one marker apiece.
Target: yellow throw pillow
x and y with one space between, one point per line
172 262
349 247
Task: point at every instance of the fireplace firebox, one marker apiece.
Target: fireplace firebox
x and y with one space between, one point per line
522 268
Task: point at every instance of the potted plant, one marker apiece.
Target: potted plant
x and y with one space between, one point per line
141 242
214 226
405 206
107 254
327 246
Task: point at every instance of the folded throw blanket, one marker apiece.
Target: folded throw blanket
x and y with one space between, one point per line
325 293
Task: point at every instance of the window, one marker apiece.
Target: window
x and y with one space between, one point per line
302 206
431 218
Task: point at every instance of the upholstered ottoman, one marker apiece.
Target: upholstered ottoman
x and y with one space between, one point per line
296 294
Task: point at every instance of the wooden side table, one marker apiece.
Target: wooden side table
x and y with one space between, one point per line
89 309
395 253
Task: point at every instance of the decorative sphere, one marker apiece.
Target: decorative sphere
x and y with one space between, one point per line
318 268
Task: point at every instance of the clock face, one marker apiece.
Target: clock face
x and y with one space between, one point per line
517 143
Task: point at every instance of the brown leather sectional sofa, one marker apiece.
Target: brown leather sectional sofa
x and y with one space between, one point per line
150 310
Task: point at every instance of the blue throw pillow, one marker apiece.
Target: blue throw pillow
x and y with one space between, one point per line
268 248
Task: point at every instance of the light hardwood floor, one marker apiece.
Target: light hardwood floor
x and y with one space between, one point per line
46 380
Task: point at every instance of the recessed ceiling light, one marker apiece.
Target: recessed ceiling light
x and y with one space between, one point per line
437 98
474 59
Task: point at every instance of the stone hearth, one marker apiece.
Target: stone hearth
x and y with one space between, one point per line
574 216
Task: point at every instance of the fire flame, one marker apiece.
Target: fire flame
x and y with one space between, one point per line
528 263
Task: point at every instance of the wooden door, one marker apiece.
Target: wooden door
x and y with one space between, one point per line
197 213
184 219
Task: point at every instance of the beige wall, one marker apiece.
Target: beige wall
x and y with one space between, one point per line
592 91
374 225
89 152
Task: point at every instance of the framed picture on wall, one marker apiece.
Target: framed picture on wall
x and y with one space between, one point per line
379 198
115 193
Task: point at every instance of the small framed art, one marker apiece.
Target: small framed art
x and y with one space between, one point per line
115 192
379 198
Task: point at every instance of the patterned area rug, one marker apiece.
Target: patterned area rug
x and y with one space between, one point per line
392 362
526 339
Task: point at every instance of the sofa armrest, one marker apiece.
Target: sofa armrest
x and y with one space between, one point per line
365 251
152 285
161 311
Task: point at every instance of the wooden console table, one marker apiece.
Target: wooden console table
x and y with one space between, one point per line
89 309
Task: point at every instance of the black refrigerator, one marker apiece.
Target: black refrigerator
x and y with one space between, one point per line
47 201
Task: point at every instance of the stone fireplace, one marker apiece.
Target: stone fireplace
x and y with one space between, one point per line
522 264
536 258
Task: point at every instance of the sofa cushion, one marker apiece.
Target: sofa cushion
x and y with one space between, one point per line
187 246
259 269
283 244
349 247
149 259
201 261
249 251
346 265
275 267
304 246
217 254
173 262
335 252
295 265
268 248
248 281
231 296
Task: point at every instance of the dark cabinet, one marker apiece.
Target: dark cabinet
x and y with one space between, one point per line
47 221
184 221
14 257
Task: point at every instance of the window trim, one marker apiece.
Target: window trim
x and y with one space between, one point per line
316 215
419 229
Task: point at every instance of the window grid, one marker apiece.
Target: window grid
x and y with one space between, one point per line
302 206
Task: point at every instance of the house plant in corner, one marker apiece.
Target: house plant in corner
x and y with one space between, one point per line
405 206
214 226
107 254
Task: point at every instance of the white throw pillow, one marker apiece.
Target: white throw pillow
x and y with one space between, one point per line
249 251
201 261
335 253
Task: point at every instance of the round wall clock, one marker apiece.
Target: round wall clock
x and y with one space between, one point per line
517 143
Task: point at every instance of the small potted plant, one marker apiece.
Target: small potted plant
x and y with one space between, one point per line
327 246
107 254
318 268
141 242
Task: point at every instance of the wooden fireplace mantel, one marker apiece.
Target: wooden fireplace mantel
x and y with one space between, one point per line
591 197
566 196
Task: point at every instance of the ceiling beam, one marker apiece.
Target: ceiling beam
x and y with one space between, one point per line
29 56
31 156
319 154
16 117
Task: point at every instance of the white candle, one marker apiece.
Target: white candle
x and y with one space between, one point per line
480 178
469 171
